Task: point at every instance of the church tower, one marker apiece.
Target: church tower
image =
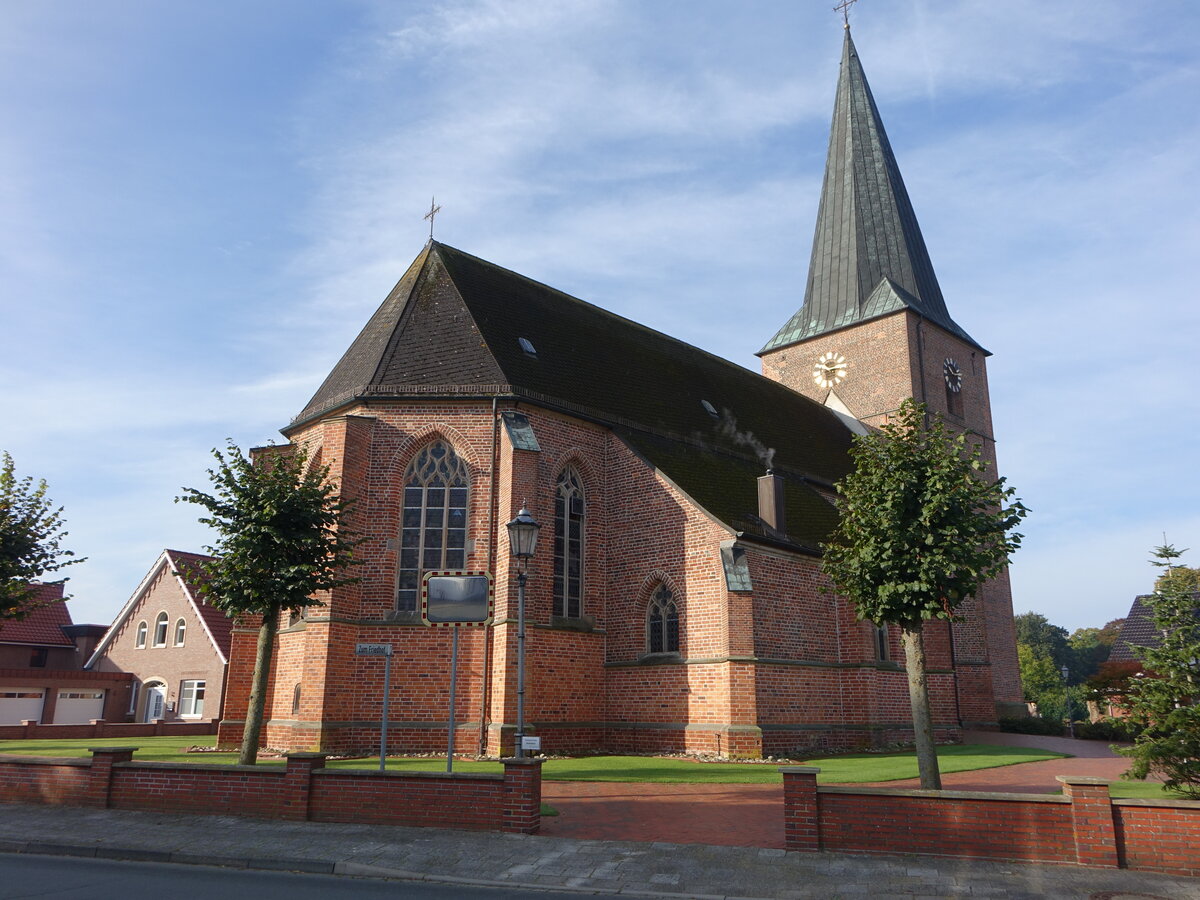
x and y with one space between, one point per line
874 330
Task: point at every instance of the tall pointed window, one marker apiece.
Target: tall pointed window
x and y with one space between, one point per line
568 545
662 630
433 531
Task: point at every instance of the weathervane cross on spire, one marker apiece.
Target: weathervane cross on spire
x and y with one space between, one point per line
844 9
434 209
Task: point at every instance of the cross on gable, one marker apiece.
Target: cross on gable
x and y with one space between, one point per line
434 209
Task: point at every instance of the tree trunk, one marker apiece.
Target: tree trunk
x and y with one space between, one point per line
258 690
918 695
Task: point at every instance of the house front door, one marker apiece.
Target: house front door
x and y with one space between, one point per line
156 701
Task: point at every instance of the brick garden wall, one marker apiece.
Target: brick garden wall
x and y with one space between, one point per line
1084 826
303 790
30 730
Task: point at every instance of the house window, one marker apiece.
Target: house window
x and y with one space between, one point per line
296 699
133 697
37 659
433 531
160 630
663 622
180 631
140 640
568 545
191 699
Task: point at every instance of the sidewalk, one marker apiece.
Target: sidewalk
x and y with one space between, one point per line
535 862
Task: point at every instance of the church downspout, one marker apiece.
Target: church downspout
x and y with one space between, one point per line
921 357
484 718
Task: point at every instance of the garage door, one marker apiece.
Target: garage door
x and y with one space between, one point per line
78 707
19 704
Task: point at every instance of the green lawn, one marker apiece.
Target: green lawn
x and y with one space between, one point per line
834 770
849 769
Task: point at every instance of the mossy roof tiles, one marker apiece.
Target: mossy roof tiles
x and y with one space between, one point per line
453 326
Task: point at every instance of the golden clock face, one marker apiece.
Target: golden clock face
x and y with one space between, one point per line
953 375
830 369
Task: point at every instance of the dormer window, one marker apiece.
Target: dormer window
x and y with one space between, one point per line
527 347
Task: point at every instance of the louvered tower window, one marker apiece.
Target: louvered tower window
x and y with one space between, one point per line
663 623
568 545
434 522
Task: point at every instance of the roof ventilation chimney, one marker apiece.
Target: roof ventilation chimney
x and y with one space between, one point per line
770 501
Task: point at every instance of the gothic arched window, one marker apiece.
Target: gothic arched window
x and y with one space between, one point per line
433 528
662 631
568 545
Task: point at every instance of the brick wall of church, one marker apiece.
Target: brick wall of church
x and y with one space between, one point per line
819 682
781 668
900 356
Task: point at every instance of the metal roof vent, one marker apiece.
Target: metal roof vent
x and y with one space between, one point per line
527 347
710 409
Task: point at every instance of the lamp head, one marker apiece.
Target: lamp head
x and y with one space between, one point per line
523 534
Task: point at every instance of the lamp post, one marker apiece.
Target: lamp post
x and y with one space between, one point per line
1067 701
522 540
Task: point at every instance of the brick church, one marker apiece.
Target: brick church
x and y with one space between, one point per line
675 601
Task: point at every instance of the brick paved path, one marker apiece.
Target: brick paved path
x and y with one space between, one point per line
751 815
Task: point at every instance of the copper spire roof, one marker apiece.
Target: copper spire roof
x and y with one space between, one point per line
868 256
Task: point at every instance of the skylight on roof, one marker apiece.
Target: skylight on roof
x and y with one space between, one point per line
527 346
710 409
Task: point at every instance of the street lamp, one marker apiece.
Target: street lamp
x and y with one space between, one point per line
522 540
1067 701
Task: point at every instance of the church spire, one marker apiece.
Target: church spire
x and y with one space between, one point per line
868 257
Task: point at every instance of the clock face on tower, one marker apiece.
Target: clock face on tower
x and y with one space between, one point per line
830 369
953 375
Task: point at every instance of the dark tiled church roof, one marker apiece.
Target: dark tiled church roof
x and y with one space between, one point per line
868 257
454 326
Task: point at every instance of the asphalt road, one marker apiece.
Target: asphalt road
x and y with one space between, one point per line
59 878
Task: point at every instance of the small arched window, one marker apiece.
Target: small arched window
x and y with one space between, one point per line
180 632
433 528
160 630
296 699
662 629
140 640
568 545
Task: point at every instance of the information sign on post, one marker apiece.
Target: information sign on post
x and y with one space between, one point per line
455 599
384 650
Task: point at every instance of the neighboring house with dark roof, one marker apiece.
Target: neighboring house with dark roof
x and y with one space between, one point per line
174 643
1138 630
41 667
676 599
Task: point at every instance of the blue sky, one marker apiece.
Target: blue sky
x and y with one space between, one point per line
202 204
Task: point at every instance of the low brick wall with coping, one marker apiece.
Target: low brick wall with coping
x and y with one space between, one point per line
1084 826
30 730
303 789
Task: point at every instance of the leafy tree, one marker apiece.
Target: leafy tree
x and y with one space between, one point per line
281 539
31 534
921 529
1090 648
1180 578
1164 699
1035 631
1041 680
1110 684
